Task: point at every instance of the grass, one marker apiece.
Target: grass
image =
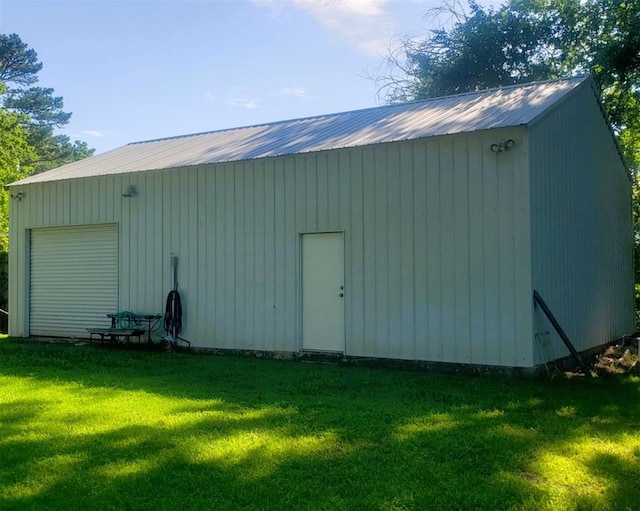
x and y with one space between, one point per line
89 428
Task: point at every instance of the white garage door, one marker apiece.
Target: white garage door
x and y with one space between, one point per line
73 279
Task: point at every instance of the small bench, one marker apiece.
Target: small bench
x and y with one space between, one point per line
115 335
124 326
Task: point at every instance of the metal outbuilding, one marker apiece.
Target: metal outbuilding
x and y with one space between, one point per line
415 231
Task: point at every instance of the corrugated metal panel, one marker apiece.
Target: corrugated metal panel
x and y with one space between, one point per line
435 245
435 249
581 229
73 279
495 108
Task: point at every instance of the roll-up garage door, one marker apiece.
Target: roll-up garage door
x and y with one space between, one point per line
73 279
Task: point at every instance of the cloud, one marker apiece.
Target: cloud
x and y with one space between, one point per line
365 24
344 7
247 104
93 133
235 100
298 92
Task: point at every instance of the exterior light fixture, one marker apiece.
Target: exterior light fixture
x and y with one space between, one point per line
130 192
504 145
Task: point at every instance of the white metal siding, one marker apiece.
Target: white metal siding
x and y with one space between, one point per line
436 245
581 228
73 279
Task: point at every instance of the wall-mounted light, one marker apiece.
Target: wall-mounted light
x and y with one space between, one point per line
130 192
504 145
17 196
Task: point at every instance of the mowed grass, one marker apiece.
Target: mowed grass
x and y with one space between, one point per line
90 428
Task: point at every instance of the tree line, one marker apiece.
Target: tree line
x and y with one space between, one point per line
29 117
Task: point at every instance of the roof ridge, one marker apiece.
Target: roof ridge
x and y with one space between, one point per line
505 87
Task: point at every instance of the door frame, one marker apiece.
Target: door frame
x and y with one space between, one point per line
300 271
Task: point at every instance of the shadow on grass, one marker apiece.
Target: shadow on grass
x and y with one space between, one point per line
232 433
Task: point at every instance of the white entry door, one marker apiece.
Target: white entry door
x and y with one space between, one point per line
323 292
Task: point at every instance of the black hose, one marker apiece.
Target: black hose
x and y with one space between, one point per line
173 317
173 314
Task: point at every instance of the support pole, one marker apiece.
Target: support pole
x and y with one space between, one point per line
538 299
174 267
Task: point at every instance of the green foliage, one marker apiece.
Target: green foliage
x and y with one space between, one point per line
18 63
19 69
41 111
483 48
87 428
39 105
15 150
486 48
56 150
611 41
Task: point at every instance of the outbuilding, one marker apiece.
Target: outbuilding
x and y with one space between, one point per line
415 232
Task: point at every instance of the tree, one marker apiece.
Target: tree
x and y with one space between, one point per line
15 150
58 150
616 66
39 105
18 63
40 110
484 48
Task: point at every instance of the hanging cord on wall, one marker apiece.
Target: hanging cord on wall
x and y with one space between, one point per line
173 319
173 310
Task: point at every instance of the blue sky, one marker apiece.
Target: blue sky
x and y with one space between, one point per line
141 69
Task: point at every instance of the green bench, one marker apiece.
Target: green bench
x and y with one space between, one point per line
124 326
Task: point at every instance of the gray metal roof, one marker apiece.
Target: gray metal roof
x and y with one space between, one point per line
463 113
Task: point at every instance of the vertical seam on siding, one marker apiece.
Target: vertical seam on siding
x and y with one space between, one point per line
483 356
273 248
413 252
389 224
439 209
469 291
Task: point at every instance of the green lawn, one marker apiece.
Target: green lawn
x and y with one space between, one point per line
90 428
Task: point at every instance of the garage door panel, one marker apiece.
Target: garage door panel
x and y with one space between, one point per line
73 279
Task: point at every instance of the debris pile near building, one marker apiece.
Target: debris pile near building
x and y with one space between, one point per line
619 358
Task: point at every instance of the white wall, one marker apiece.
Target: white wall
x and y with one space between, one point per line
437 252
581 228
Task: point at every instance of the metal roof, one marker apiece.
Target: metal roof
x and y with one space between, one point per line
494 108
